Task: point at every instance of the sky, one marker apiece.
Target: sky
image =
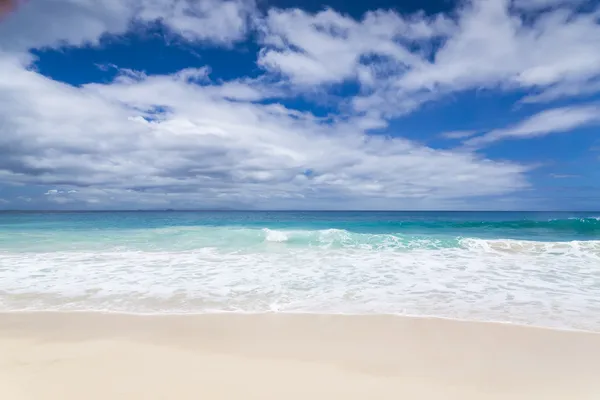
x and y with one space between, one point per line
288 104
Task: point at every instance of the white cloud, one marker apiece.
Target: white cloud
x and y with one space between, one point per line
207 149
185 139
54 23
555 120
404 61
55 192
399 61
494 48
48 23
221 21
458 134
328 47
565 89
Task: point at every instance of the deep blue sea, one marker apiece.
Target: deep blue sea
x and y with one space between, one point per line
531 268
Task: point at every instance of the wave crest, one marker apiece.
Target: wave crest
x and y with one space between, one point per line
342 239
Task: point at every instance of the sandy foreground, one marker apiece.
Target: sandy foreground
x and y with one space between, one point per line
108 356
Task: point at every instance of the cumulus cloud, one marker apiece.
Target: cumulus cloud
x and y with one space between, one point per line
52 23
205 148
403 61
493 48
220 21
328 47
184 139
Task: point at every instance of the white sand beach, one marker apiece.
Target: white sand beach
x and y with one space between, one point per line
73 356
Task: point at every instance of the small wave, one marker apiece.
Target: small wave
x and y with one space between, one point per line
575 247
275 236
343 239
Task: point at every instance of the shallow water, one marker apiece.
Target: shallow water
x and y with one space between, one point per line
533 268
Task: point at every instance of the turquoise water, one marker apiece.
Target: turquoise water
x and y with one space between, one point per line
189 230
537 268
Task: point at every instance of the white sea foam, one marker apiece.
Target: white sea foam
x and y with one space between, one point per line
589 249
552 284
275 236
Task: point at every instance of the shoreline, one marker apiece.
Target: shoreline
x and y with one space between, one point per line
195 314
72 355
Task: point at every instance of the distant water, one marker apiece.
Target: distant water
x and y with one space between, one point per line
532 268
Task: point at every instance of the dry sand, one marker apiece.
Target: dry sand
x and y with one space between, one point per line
73 356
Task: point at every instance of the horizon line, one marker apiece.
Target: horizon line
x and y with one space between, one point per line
275 210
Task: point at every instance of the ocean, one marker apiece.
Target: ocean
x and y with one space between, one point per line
527 268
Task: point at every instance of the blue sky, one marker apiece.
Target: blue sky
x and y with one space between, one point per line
483 104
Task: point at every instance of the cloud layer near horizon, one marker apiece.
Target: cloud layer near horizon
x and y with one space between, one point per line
186 140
